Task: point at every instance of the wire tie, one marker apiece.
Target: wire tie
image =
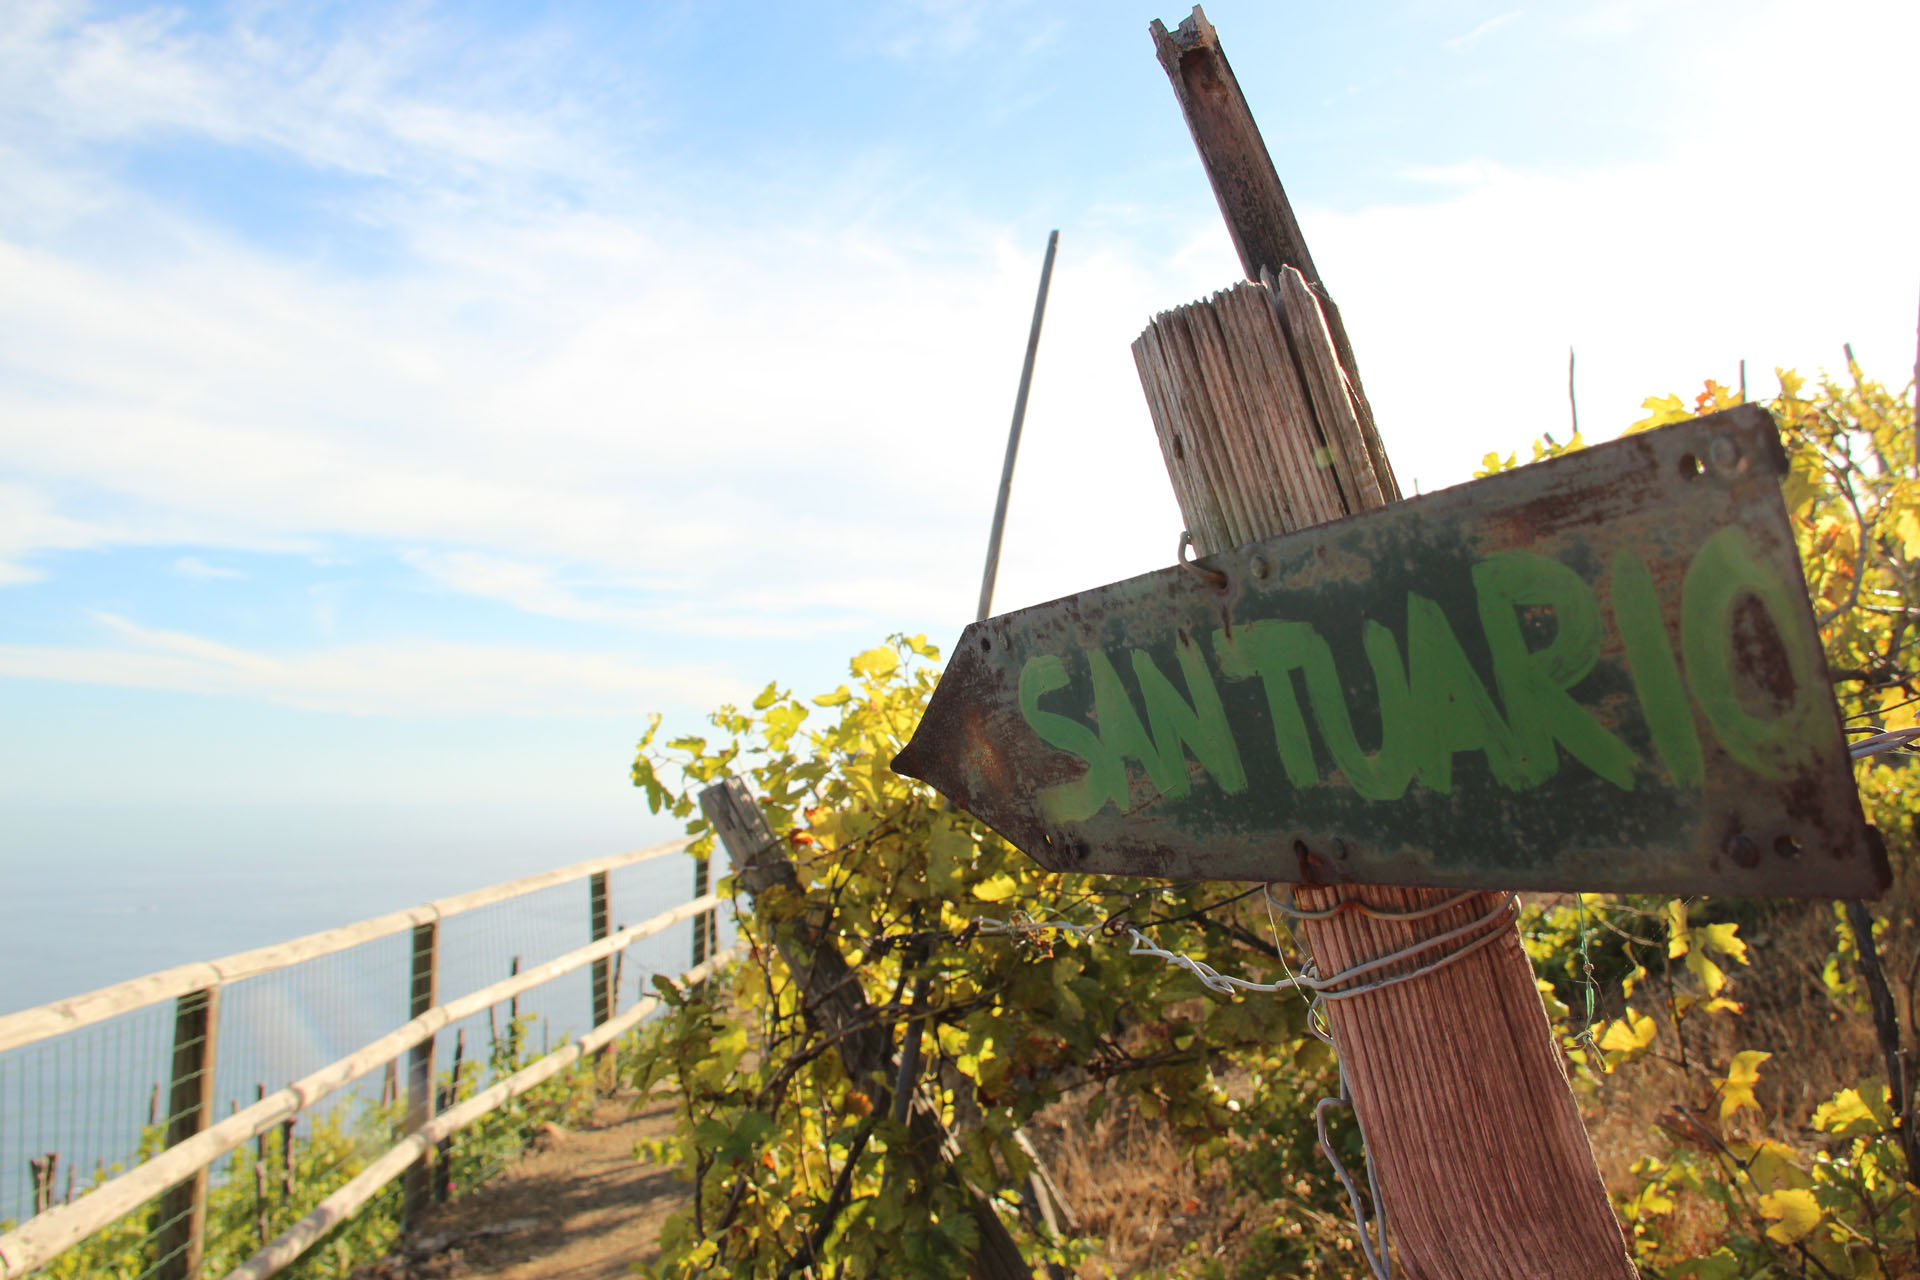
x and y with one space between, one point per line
1215 580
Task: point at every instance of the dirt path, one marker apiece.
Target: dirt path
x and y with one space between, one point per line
579 1207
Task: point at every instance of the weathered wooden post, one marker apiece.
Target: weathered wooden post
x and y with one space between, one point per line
1531 625
706 923
596 930
1473 1134
833 1003
423 993
603 993
181 1218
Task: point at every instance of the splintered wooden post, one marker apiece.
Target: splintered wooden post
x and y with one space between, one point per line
1532 624
1472 1132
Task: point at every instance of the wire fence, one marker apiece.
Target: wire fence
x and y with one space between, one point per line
183 1123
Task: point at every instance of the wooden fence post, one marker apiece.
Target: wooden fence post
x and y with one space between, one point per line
260 1172
424 993
1460 1090
834 1004
181 1219
705 924
604 994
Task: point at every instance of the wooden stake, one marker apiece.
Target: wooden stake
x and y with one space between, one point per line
181 1217
596 930
448 1096
1259 217
1479 1149
602 993
834 1004
260 1172
423 993
286 1159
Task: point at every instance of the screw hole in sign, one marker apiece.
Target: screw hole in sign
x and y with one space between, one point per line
1690 467
986 645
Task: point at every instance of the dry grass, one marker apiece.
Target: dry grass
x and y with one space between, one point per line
1129 1186
1134 1191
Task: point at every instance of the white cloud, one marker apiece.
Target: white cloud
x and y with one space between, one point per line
1462 310
620 417
344 99
525 586
1467 39
209 653
416 678
194 567
640 405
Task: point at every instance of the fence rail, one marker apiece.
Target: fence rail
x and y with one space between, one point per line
176 1177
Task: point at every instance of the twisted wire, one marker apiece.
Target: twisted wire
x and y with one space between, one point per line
1481 931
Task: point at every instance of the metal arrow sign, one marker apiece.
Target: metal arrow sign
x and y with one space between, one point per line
1596 673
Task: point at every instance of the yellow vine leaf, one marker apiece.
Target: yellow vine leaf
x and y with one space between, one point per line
1846 1110
1722 938
1906 526
1794 1213
876 664
1652 1200
839 697
1629 1034
1661 410
1676 929
1711 976
1736 1091
1772 1165
1803 482
996 888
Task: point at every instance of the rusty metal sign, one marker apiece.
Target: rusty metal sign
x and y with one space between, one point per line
1596 673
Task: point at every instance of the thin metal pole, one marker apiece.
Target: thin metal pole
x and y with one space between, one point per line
1572 404
1013 435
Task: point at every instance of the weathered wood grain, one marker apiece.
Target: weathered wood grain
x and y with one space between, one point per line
1457 1083
1258 215
1479 1149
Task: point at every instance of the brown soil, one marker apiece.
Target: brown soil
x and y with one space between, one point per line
576 1206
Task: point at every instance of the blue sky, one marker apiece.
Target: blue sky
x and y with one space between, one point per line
399 401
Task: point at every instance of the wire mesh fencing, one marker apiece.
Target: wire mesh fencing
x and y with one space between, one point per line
193 1121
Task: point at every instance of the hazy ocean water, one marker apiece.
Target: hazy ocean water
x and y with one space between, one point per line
96 895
